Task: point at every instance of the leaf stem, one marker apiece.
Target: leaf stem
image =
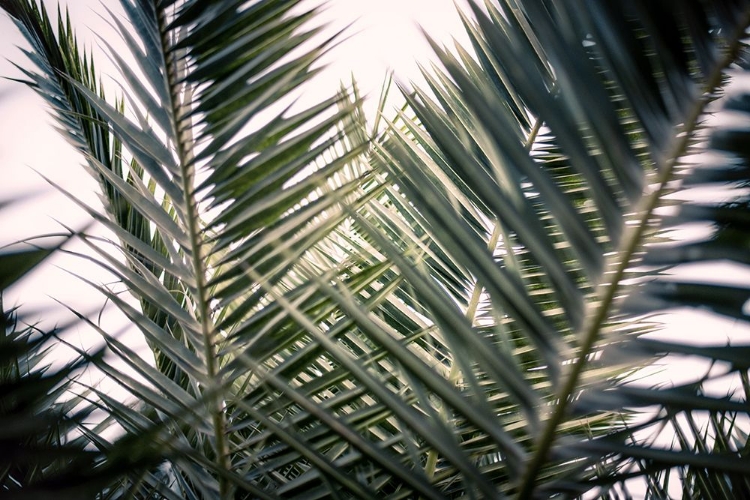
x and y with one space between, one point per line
183 144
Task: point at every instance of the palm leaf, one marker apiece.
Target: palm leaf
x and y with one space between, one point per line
596 91
432 313
46 448
184 268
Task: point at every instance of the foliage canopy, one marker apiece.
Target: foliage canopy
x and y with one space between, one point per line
448 307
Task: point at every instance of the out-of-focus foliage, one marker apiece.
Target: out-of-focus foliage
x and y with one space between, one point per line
450 308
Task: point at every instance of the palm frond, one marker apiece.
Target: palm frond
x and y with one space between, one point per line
536 149
47 448
206 129
433 311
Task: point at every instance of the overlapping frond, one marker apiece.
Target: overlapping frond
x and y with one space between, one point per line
216 184
47 447
431 312
526 159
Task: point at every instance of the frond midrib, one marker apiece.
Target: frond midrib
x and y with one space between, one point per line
184 148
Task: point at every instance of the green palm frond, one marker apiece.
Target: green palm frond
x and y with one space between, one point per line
220 141
37 451
47 447
430 312
525 160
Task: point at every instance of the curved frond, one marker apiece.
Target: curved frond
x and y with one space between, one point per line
526 159
432 312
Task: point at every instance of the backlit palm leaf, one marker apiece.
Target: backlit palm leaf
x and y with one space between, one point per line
567 109
431 313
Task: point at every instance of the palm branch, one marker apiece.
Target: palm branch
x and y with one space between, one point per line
568 120
430 312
